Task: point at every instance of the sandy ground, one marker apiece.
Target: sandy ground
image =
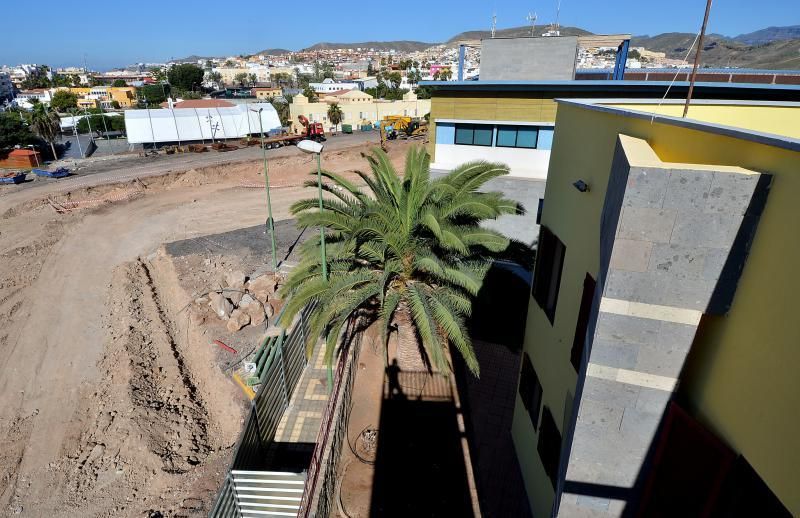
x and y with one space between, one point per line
110 404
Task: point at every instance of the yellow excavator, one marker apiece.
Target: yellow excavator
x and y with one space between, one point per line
399 126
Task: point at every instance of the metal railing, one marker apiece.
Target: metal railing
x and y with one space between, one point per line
279 362
320 487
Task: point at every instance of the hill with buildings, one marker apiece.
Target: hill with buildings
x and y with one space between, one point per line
722 51
400 46
516 32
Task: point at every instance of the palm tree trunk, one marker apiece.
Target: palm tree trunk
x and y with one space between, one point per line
409 350
53 149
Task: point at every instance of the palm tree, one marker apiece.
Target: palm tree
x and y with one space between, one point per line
406 252
253 78
335 114
46 124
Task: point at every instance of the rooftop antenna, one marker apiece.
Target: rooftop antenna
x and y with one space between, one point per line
494 23
532 20
558 13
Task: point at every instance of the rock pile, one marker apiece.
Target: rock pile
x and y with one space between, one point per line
241 302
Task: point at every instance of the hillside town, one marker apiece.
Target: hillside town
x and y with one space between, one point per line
524 272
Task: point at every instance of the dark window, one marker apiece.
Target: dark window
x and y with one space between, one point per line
530 390
583 322
474 134
549 445
547 275
517 136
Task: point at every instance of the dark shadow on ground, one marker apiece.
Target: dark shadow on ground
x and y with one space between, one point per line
501 307
419 466
293 457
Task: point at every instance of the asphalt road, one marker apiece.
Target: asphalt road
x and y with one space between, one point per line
99 170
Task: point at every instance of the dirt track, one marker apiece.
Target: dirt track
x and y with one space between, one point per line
109 404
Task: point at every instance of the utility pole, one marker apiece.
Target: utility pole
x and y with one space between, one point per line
75 131
697 58
532 20
270 221
494 23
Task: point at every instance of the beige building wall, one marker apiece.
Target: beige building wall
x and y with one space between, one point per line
357 108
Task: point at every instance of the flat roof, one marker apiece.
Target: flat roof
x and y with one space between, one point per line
757 91
760 137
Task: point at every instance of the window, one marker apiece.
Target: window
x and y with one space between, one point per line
530 390
549 445
517 136
583 322
547 275
474 135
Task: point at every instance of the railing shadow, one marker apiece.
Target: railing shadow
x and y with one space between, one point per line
420 468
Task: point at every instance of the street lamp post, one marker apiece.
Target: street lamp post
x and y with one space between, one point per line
270 221
309 146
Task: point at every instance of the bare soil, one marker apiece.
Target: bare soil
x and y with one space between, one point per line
112 401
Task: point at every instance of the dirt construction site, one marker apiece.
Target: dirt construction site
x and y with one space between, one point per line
116 394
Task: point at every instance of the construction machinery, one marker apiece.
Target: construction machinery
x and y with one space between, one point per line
311 131
403 127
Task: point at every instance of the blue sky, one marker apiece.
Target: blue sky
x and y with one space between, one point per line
117 34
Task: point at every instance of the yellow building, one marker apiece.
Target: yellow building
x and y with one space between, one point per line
266 93
105 96
357 108
659 361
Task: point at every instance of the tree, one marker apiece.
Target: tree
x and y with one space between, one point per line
310 93
370 70
229 63
240 78
335 114
252 78
281 106
63 101
215 77
46 124
154 94
185 76
158 74
13 131
118 83
75 79
445 74
407 252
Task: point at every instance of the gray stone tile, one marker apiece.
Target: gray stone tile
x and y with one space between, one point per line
675 336
700 229
646 224
623 328
662 361
652 401
593 502
688 190
731 192
614 353
611 393
599 415
659 288
678 259
714 262
639 428
631 255
646 188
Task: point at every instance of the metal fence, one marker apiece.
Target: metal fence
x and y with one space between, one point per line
279 365
320 488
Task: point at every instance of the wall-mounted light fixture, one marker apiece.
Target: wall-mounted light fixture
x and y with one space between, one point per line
581 186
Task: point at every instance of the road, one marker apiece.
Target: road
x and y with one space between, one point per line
100 170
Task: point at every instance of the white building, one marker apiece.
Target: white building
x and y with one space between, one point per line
198 124
6 87
23 98
329 86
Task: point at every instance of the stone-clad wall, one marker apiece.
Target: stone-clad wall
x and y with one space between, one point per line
670 236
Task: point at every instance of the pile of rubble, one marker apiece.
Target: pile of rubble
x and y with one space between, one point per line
241 302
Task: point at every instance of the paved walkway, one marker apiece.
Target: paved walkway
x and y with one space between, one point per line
301 421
